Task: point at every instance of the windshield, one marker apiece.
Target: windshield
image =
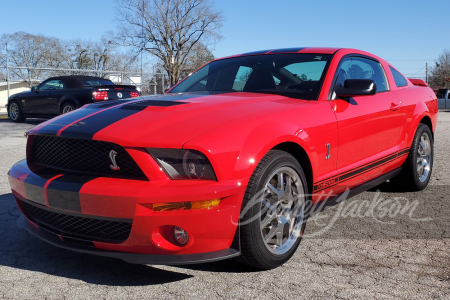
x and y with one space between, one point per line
293 75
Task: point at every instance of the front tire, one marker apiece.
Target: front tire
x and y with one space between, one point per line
15 112
418 166
273 211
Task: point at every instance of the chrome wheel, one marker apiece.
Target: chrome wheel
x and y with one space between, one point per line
282 210
424 157
67 109
14 112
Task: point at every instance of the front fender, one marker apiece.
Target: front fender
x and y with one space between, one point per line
235 148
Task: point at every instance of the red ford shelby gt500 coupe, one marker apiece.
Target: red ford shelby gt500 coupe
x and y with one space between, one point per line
228 162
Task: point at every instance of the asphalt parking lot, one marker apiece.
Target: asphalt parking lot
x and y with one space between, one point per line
379 244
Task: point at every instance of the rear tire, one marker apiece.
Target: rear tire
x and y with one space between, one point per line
273 211
418 166
15 112
67 107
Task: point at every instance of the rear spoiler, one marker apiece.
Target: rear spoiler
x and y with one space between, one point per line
418 82
116 87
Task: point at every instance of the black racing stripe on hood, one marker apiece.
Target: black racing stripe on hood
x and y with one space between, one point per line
145 103
88 127
53 127
109 103
64 192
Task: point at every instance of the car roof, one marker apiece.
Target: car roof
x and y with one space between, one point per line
320 50
312 50
76 81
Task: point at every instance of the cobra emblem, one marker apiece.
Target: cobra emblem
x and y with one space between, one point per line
119 94
112 156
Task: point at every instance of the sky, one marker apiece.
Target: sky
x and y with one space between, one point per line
407 33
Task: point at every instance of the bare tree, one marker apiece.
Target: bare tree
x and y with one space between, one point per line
199 55
168 29
24 49
440 73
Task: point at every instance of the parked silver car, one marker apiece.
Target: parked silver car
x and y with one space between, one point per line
443 96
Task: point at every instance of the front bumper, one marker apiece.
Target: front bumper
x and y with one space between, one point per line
213 233
133 258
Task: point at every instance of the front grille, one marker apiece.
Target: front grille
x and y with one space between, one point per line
78 227
83 156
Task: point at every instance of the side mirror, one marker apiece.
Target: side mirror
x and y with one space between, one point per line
34 89
357 87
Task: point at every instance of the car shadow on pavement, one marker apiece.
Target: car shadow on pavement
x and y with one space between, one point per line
223 266
386 187
27 121
21 250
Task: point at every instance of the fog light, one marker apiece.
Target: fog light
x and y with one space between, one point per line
180 235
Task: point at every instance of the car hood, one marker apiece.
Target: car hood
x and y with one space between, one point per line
24 93
160 121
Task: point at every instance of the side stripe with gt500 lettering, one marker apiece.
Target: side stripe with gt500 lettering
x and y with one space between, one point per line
350 174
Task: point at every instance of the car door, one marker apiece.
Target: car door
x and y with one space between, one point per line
43 102
369 126
32 103
57 91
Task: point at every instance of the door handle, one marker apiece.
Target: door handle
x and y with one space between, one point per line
395 106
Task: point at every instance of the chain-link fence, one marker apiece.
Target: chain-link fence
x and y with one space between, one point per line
19 79
149 83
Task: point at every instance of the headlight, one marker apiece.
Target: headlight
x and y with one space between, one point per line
183 164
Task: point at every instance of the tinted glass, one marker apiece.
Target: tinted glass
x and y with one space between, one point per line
52 85
362 68
292 75
398 78
96 82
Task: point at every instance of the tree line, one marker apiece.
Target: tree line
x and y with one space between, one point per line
440 73
177 34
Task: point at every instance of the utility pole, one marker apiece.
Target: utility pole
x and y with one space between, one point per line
156 82
162 83
426 73
7 68
142 39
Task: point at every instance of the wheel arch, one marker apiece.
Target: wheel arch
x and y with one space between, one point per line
301 156
427 121
64 100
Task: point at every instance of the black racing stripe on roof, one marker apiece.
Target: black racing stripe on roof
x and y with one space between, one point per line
257 52
287 50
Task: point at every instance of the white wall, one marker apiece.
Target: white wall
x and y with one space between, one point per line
4 96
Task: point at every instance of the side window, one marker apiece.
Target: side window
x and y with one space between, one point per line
398 78
52 85
242 76
307 71
362 68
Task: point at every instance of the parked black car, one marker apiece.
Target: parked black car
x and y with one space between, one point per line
58 95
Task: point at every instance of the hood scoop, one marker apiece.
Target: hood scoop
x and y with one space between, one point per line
146 103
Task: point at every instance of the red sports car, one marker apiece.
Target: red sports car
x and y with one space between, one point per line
229 162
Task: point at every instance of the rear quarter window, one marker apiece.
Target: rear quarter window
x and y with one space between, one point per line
398 78
97 82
